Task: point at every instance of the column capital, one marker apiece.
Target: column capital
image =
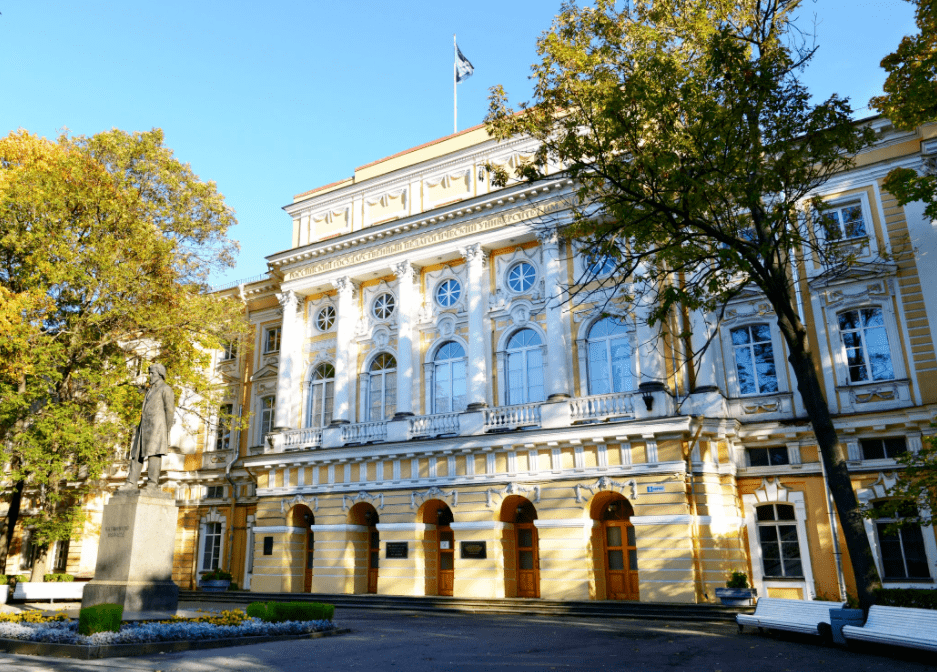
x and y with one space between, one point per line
288 299
405 271
549 236
474 254
345 285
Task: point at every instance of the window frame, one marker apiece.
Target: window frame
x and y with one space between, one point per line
209 533
516 265
432 368
750 346
778 350
776 523
838 206
460 291
862 331
372 374
266 415
229 351
523 352
222 440
269 336
327 385
628 336
389 300
331 319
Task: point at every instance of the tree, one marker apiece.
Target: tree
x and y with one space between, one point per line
106 243
910 99
695 149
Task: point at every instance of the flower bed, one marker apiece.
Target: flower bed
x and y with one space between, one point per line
58 629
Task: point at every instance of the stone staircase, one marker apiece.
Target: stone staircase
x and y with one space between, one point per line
535 607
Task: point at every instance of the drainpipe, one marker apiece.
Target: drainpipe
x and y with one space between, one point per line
834 530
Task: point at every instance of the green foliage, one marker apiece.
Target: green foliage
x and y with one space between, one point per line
106 243
217 575
276 612
914 494
226 617
100 618
915 598
58 578
911 99
737 580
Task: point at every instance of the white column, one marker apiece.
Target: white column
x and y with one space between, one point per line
650 359
290 356
405 273
477 368
706 362
557 371
345 350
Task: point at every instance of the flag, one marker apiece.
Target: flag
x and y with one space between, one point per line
463 67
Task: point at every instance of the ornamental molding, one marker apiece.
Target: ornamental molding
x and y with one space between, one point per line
349 501
605 484
385 198
433 493
311 502
510 489
879 489
772 490
212 516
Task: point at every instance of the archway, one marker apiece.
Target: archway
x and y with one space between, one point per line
301 517
439 545
618 562
365 515
520 512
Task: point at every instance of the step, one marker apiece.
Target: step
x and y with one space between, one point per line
603 609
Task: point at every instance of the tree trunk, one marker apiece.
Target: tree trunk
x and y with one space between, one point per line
8 526
39 564
831 452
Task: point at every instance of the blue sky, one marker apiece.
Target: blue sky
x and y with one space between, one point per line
272 99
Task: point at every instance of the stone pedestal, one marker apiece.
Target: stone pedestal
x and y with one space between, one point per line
134 565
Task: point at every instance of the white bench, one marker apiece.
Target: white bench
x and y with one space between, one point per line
794 615
902 626
49 590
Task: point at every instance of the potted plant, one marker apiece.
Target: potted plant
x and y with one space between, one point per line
215 581
737 592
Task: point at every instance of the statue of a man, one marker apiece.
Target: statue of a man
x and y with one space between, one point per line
151 438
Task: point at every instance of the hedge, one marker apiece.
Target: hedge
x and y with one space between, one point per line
58 578
916 598
100 618
276 612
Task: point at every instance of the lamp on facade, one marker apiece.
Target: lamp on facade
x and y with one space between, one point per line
648 400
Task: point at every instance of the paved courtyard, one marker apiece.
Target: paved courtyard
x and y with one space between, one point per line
419 642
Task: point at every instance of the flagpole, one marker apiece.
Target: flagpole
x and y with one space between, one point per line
455 102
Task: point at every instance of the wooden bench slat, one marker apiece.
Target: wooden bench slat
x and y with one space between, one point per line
901 626
793 615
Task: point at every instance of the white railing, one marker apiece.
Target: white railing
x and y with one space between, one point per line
433 425
512 417
364 432
307 437
602 407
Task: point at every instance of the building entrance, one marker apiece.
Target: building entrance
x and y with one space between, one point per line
621 555
446 551
521 512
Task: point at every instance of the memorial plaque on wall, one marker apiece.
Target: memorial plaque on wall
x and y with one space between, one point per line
396 549
474 550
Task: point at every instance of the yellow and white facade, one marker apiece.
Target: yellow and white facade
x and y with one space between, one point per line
430 416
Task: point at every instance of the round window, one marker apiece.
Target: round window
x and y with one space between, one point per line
521 277
325 318
448 292
383 306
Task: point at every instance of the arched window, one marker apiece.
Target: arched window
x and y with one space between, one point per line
609 357
449 378
777 534
525 368
868 356
754 359
321 393
382 388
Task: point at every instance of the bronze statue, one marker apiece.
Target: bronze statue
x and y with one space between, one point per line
151 438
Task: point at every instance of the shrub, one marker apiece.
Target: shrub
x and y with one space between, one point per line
276 612
233 586
5 580
58 578
100 618
916 598
217 575
737 580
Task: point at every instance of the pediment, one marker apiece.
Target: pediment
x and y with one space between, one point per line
268 371
861 270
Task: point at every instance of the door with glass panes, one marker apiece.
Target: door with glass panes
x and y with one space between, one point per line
621 554
374 554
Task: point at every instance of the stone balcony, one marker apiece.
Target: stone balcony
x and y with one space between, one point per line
546 415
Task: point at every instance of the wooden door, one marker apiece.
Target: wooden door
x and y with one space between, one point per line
374 554
310 546
528 560
446 561
621 561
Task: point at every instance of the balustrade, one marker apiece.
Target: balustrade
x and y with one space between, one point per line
364 432
512 417
433 425
602 407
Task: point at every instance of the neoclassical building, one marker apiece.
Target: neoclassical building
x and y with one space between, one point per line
439 406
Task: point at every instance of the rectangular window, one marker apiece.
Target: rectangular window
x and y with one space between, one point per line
28 550
768 457
777 534
272 340
844 222
223 432
267 407
865 340
754 359
879 449
229 350
268 545
211 551
903 554
60 556
214 492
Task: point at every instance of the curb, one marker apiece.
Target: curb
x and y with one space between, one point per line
88 652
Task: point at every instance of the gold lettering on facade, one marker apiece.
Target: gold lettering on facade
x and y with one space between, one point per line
398 246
